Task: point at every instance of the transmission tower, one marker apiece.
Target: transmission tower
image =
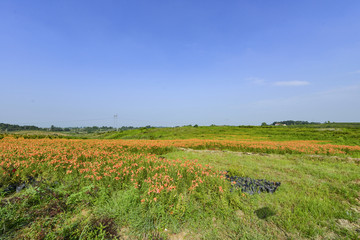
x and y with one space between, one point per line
115 121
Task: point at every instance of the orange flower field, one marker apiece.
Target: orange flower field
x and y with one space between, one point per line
124 163
117 164
132 162
78 175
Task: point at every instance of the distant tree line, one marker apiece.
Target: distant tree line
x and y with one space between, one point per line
292 122
92 129
11 127
4 127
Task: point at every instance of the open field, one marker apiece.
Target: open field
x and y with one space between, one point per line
173 120
176 188
334 133
340 135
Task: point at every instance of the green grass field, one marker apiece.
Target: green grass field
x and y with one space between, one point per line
344 136
336 133
316 196
319 196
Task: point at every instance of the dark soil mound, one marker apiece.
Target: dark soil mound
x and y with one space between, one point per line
253 186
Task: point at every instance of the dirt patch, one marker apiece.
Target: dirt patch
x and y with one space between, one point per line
123 232
239 213
222 151
320 157
11 200
347 224
179 236
53 208
328 236
337 158
356 209
107 224
357 181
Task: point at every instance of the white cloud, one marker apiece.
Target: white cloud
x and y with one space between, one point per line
256 80
355 72
261 81
291 83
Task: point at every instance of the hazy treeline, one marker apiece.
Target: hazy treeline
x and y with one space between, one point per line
327 124
5 127
292 122
11 127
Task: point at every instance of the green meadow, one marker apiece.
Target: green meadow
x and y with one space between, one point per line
326 133
319 196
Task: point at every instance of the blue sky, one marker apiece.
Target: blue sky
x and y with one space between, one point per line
169 63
